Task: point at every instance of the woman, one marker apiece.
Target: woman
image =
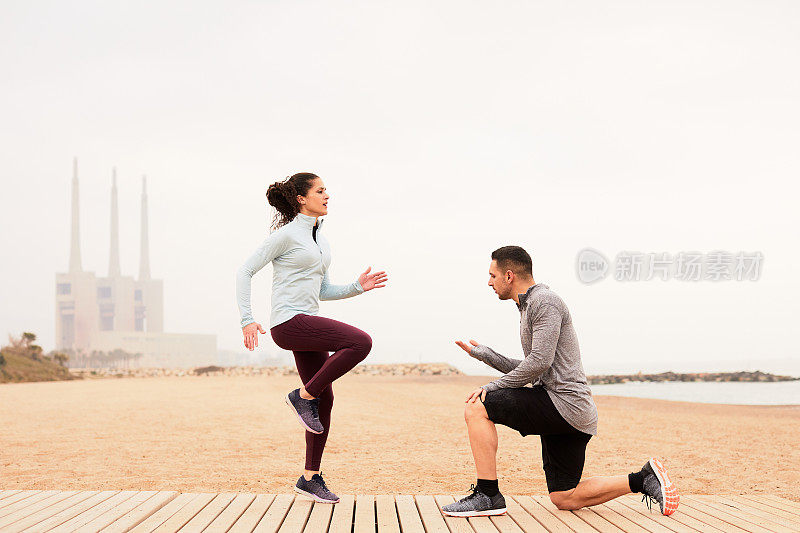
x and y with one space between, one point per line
300 258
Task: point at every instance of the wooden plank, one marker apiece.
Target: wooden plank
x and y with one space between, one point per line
785 502
675 522
431 515
141 512
408 514
482 524
386 514
274 516
541 515
522 518
93 512
365 514
342 520
594 519
49 511
34 508
111 515
163 514
732 515
644 521
743 506
12 499
571 520
24 502
707 518
297 516
6 493
758 516
247 522
225 520
618 520
786 512
454 523
71 512
207 514
320 517
505 524
679 516
185 513
772 511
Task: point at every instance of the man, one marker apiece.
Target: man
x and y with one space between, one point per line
559 406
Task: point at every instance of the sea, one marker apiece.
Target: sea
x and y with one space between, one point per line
739 393
731 392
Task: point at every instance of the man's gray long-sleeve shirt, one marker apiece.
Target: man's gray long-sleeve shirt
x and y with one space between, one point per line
552 358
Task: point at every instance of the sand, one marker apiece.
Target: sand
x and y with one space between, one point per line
389 435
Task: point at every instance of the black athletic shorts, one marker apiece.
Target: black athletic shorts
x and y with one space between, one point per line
530 411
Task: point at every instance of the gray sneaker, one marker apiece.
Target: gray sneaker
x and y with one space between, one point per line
659 488
315 488
477 504
307 411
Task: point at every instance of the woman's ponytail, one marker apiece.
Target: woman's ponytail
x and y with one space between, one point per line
282 195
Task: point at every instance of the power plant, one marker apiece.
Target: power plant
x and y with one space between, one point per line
119 312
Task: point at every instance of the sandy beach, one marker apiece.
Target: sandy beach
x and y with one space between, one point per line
389 435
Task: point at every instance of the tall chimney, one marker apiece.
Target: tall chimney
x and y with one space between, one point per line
113 260
75 245
144 253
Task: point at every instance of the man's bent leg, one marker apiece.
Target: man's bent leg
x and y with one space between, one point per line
592 491
485 499
482 440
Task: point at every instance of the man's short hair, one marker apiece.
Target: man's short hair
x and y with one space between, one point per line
515 259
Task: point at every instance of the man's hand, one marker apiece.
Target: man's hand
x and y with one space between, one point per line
250 332
372 281
474 395
463 346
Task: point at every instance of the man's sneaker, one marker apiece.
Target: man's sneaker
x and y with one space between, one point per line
477 504
315 488
307 411
658 486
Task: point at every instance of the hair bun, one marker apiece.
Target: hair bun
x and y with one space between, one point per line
282 195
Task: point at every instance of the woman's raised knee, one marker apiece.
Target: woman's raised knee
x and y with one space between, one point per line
363 344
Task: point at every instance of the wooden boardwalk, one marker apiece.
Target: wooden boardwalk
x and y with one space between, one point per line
165 511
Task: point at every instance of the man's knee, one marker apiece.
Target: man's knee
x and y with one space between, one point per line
475 411
563 500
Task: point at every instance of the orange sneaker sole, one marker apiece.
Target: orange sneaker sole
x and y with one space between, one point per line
669 492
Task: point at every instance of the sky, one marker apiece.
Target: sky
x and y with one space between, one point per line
442 130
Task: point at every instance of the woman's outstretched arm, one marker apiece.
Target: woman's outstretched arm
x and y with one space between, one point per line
365 282
329 291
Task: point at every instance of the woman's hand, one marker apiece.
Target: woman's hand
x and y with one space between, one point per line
250 332
372 281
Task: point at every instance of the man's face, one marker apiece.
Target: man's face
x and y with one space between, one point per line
500 281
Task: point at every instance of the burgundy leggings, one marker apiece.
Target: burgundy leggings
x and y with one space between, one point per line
311 338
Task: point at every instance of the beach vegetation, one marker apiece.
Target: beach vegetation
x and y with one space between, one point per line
24 360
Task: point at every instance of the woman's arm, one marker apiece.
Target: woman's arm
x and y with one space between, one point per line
365 282
272 247
328 291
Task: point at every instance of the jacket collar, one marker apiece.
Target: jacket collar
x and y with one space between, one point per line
524 297
307 221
